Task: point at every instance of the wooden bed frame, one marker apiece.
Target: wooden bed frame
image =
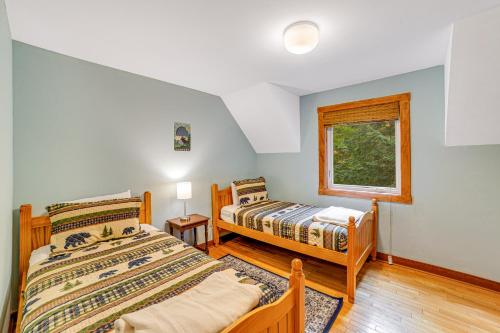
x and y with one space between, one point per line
361 238
34 232
286 314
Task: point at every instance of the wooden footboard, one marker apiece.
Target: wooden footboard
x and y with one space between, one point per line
286 315
361 243
361 238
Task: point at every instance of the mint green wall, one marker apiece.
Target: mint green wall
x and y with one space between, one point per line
5 165
81 130
454 220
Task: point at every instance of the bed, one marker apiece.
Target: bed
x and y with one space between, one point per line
349 246
89 288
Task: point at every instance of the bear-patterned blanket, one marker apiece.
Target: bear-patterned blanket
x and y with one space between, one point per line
88 289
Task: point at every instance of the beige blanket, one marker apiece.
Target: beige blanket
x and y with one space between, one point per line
337 215
209 307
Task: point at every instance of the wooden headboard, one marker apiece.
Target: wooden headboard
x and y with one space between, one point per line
223 197
34 231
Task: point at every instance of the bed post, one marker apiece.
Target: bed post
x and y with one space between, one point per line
215 213
24 238
374 233
25 219
147 206
351 259
297 281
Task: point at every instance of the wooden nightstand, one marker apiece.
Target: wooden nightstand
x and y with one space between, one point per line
195 221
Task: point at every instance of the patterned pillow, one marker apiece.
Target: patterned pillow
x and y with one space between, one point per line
251 190
77 225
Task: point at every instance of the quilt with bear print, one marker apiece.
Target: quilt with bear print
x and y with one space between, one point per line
86 290
77 225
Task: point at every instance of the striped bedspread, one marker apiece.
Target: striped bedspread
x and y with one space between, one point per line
292 221
88 289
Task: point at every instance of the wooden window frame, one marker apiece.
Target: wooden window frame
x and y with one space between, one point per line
404 196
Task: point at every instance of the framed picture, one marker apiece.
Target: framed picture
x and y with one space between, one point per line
182 137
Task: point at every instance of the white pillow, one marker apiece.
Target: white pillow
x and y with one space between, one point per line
234 194
40 254
123 195
149 228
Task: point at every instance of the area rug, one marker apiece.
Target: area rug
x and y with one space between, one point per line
321 309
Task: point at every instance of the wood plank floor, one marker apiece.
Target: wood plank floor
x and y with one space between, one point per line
389 298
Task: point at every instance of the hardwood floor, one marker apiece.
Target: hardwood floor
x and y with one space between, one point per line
389 298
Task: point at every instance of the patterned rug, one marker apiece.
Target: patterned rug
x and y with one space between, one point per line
321 309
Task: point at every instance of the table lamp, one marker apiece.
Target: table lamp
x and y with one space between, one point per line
184 193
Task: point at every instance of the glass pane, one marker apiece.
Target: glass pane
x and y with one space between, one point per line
365 154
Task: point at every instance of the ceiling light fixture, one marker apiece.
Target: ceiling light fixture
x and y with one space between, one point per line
301 37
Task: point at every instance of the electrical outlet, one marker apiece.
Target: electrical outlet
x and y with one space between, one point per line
389 260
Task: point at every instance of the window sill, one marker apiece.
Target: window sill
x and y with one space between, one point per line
388 197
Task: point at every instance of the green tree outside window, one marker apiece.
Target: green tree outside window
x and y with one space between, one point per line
365 154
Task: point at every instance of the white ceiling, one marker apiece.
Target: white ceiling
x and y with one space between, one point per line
222 46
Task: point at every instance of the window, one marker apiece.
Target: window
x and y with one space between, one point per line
365 149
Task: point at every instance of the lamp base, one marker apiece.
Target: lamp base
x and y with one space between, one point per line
186 217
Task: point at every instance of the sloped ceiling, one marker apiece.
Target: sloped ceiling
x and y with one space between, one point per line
269 116
472 72
224 46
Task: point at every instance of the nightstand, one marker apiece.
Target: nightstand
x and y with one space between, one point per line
195 221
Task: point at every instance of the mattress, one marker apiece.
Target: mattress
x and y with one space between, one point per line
86 290
291 221
227 213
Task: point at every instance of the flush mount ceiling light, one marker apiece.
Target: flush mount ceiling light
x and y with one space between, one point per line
301 37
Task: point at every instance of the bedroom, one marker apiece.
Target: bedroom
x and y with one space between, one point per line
89 109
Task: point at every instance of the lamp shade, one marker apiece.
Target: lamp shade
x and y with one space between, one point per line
184 190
